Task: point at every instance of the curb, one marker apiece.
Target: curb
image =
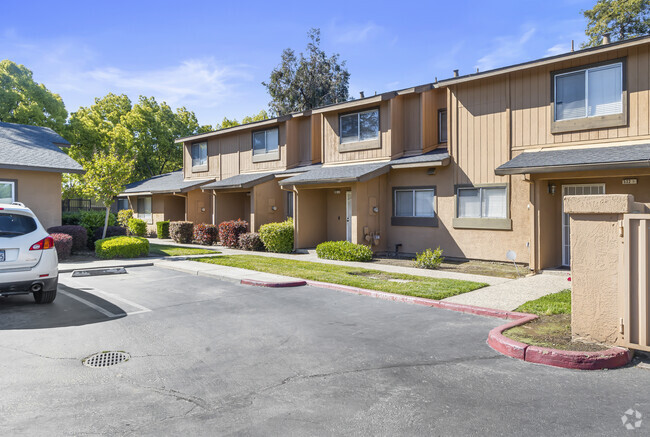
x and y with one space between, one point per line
143 264
256 283
606 359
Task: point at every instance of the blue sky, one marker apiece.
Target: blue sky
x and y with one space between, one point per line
212 56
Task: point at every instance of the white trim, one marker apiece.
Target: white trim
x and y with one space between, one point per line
566 260
348 215
13 189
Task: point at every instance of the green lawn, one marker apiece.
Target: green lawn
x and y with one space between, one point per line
408 285
170 250
556 303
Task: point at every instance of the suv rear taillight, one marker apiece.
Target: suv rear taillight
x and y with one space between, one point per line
45 243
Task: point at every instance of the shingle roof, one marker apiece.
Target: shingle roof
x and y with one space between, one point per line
24 147
363 172
596 158
165 183
240 181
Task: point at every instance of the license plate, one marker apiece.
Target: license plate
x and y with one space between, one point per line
2 255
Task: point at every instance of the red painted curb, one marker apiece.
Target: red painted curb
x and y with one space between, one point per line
272 284
607 359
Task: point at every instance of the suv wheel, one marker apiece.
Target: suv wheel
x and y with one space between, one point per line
45 296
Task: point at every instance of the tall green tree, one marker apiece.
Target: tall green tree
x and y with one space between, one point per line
105 177
24 101
262 115
622 19
308 80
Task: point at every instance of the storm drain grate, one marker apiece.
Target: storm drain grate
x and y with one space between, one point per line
105 359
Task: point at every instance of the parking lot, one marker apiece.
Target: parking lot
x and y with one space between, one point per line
217 358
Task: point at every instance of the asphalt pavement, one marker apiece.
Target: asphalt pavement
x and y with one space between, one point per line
217 358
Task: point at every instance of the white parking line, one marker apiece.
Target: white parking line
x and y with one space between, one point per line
90 304
92 290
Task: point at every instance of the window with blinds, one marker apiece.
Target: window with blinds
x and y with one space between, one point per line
590 92
482 202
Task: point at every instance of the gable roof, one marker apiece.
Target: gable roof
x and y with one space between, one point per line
594 158
165 183
24 147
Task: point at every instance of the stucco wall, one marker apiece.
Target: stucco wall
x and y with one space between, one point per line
232 206
40 191
199 206
266 196
311 217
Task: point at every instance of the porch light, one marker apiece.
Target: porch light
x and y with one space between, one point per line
337 191
375 209
274 208
551 188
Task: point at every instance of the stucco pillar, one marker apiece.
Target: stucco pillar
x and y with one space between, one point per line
596 260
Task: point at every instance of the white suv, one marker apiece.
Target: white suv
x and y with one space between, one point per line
28 260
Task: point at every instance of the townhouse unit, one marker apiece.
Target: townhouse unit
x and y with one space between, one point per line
475 164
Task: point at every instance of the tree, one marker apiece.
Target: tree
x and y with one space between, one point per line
262 115
106 175
308 81
623 19
24 101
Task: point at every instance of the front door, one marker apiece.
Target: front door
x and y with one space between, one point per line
574 190
348 215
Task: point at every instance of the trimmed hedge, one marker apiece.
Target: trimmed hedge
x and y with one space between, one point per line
205 234
230 231
251 241
121 247
343 251
123 217
137 227
79 235
181 232
70 218
111 231
278 237
162 229
62 244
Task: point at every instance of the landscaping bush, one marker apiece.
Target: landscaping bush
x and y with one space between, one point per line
230 231
92 220
137 227
111 231
343 251
78 233
205 234
251 241
121 247
278 237
162 229
70 218
181 232
63 245
429 259
123 217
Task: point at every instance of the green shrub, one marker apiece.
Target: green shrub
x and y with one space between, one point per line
123 217
92 220
162 229
278 237
137 227
429 259
70 218
121 247
251 241
181 232
343 251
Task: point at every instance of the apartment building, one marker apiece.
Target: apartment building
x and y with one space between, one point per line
476 164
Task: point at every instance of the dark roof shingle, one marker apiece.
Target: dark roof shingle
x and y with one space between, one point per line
165 183
25 147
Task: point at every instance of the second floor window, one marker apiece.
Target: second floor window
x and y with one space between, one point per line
200 155
442 126
482 202
265 141
359 126
589 92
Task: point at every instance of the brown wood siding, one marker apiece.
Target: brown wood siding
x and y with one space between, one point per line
412 118
331 139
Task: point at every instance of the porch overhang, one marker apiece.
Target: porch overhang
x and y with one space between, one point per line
578 159
168 183
339 174
241 181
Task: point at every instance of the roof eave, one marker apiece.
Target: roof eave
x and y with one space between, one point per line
441 163
46 169
573 167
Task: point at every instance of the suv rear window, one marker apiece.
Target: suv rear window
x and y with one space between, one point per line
14 225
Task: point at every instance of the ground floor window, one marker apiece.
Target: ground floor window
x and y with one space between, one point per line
482 202
414 206
122 203
7 191
144 209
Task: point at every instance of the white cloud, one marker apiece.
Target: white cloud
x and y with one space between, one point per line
507 49
355 33
558 49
